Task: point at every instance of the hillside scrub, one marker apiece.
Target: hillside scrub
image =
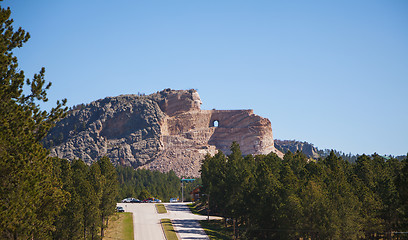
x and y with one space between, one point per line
265 197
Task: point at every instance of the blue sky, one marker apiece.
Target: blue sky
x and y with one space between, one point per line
332 73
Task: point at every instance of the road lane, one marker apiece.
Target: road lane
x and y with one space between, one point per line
185 223
146 221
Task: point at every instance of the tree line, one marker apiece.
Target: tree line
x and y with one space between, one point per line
91 198
43 197
143 183
266 197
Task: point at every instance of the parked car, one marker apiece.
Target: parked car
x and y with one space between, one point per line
152 200
120 209
149 200
131 200
173 200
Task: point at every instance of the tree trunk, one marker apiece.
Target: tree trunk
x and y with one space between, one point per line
235 234
102 227
208 210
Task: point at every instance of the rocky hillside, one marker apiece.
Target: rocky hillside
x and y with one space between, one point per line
163 131
291 145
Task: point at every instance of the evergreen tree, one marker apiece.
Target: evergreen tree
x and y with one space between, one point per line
366 189
30 195
66 221
109 191
240 182
344 207
293 198
213 175
93 211
144 194
402 186
80 196
266 198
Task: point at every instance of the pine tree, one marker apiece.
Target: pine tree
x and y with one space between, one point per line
93 212
402 185
30 195
66 221
109 193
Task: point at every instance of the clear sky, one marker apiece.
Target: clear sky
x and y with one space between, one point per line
332 73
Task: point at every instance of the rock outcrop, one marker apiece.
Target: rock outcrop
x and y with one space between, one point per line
291 145
163 131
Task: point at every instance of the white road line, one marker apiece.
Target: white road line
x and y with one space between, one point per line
146 221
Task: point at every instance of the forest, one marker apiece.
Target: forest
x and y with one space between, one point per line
265 197
142 184
91 193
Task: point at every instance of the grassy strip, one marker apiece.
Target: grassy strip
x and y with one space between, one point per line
120 227
216 230
161 208
198 208
168 229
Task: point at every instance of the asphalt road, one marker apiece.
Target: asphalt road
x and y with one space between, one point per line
146 221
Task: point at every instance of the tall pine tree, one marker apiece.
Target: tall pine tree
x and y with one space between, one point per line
109 186
30 195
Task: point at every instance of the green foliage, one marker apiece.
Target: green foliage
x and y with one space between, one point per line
144 194
93 192
269 198
402 188
109 190
31 195
216 230
142 184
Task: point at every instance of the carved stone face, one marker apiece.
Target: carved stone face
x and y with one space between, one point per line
197 100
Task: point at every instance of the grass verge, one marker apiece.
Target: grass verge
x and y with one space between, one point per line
161 208
168 229
120 227
198 208
215 229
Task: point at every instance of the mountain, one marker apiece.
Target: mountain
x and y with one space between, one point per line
292 145
163 131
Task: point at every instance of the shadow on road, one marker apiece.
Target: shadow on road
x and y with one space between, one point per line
190 229
176 207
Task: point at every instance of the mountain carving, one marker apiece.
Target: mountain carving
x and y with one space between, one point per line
163 131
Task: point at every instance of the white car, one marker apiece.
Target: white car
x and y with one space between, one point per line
128 200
